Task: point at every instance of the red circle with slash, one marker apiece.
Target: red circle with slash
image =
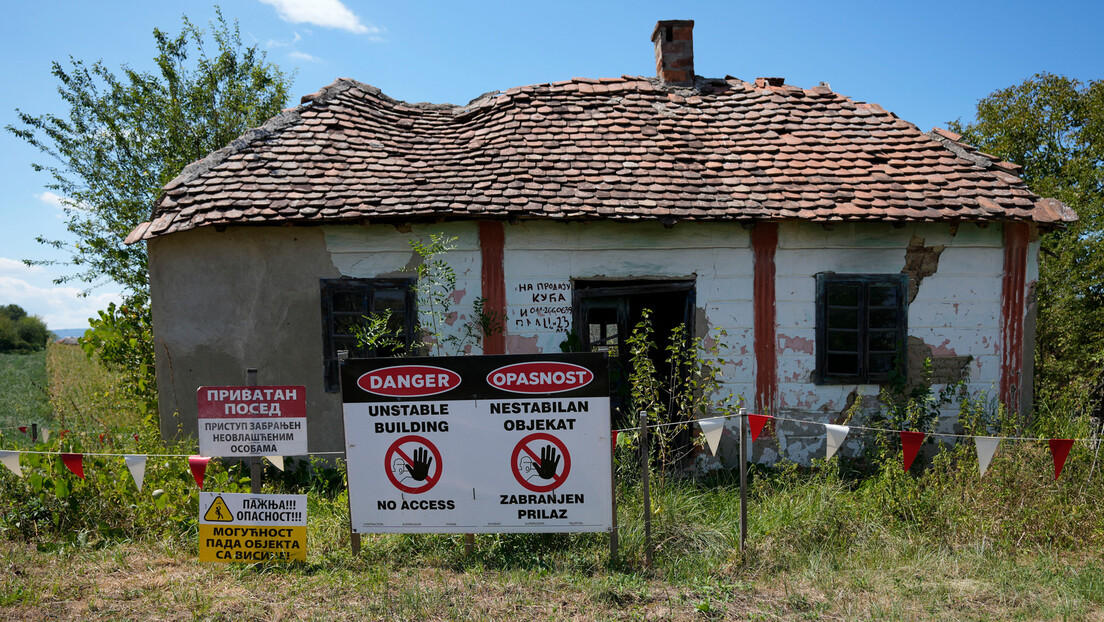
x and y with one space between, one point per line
396 450
523 447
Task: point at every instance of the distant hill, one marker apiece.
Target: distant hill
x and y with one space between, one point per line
68 332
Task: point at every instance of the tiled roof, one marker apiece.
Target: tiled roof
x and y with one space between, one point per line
626 149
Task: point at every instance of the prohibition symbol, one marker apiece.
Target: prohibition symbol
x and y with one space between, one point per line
540 462
413 464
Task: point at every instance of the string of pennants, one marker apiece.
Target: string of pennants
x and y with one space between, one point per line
713 427
136 463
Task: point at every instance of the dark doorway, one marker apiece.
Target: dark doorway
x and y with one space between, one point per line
607 311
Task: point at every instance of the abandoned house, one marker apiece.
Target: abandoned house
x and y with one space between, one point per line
834 243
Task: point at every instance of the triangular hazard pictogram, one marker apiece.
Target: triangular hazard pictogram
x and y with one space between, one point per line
218 512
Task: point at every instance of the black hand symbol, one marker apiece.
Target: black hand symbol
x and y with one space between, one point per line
548 463
419 466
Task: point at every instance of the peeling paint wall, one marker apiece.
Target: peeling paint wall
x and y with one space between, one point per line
542 258
250 297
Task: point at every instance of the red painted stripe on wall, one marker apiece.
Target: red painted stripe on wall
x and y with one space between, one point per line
764 244
492 244
1016 236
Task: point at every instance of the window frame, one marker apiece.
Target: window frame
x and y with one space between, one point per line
863 307
368 288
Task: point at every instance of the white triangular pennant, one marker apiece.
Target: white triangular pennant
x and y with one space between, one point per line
986 445
10 459
137 466
836 435
711 430
45 434
277 461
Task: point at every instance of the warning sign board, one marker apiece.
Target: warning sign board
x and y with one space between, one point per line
237 527
478 444
252 421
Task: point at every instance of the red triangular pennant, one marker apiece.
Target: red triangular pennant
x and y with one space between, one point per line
63 433
101 439
75 463
198 465
1059 450
613 444
757 422
910 442
23 429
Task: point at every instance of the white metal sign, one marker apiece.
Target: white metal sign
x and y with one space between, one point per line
478 444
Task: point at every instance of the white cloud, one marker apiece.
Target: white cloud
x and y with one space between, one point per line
326 13
60 306
53 200
303 56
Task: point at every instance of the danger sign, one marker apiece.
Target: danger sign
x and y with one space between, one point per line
478 444
251 528
415 474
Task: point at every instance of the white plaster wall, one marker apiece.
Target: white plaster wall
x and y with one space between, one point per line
718 255
956 311
375 251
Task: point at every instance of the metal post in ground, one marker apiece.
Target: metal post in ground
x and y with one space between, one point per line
255 461
646 467
613 498
743 481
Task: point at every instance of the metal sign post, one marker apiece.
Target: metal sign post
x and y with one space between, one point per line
255 472
743 482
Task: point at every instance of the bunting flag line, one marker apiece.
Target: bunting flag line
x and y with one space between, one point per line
75 463
757 422
276 461
198 465
10 459
23 429
986 445
836 436
712 430
137 466
1059 450
910 442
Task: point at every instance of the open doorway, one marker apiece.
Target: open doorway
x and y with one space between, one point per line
605 314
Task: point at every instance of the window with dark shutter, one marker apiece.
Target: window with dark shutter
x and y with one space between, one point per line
862 327
346 302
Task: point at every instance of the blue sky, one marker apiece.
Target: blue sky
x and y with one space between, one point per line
929 62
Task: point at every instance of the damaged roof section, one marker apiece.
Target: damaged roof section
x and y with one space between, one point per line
627 149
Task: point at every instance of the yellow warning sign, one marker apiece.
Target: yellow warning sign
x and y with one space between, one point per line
261 527
218 512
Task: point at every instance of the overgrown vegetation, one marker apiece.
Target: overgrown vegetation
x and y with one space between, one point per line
434 287
1053 126
839 540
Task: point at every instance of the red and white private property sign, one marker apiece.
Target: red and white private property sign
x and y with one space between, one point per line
252 421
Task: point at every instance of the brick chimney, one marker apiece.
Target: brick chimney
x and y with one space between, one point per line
674 51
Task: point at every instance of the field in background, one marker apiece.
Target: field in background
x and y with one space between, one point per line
24 391
828 543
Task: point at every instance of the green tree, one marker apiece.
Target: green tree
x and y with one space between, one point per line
1053 126
125 136
21 333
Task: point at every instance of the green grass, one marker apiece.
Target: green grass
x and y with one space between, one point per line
24 390
831 542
